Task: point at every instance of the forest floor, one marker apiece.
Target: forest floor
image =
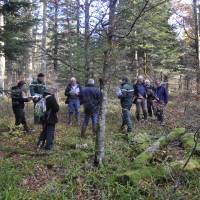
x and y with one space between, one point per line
68 172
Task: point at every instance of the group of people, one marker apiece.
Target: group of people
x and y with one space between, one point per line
149 99
44 99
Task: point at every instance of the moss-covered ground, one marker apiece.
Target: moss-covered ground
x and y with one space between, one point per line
68 172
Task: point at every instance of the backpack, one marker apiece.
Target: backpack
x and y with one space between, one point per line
40 108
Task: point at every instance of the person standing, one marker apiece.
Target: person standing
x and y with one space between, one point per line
125 94
72 92
91 98
161 97
140 98
150 97
49 121
37 89
18 104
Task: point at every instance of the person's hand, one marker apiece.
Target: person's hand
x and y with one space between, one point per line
30 98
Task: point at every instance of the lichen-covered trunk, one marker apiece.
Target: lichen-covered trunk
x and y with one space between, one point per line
2 56
55 52
100 138
87 40
104 84
44 32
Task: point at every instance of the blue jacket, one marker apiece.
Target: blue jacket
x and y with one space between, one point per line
140 89
161 94
91 97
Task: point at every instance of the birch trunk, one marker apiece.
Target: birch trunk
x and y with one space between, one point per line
78 17
100 137
55 62
87 39
44 32
2 57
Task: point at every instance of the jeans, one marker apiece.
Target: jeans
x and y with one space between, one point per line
20 118
74 106
141 106
126 119
94 116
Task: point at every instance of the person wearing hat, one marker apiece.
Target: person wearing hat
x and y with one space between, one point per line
37 89
141 98
72 92
18 104
49 120
125 94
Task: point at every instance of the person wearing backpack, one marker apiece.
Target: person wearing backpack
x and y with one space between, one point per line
125 93
49 120
72 92
37 89
18 104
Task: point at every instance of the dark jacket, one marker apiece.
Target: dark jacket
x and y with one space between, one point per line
37 87
68 95
126 98
140 90
17 98
91 97
161 94
52 109
150 93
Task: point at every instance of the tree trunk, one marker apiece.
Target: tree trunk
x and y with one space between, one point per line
2 56
28 59
87 40
197 43
44 32
78 17
55 60
100 137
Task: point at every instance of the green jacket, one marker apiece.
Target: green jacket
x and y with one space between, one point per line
37 87
126 97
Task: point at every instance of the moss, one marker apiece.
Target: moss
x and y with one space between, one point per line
191 166
135 176
143 159
80 155
163 141
146 156
157 172
188 142
175 134
141 141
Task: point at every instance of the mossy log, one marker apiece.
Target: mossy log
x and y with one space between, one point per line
141 142
188 143
155 173
144 158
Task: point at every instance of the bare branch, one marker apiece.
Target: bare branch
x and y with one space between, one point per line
142 12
